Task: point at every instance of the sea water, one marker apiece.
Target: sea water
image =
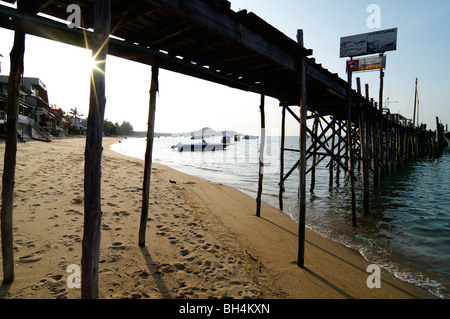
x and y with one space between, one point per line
407 231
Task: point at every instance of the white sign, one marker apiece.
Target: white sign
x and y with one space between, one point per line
369 43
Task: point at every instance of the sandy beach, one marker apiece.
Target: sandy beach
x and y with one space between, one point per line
203 238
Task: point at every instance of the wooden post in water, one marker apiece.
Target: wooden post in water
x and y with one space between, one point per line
397 146
339 136
388 147
261 157
375 148
350 147
9 167
93 154
364 153
439 137
148 155
333 146
302 160
283 133
313 167
382 125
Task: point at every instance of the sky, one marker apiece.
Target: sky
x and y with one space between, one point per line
186 104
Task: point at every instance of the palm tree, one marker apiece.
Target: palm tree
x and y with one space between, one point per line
75 114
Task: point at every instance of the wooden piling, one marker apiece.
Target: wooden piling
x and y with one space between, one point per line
302 160
397 146
93 154
148 155
283 136
382 127
439 138
9 167
375 148
331 163
339 152
313 166
261 156
350 147
363 151
387 157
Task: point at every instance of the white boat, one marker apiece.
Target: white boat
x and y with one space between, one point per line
203 147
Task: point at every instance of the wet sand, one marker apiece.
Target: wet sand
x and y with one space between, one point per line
203 238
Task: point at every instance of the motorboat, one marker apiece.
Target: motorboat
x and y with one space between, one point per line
203 147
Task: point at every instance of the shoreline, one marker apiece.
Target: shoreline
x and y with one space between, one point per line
203 240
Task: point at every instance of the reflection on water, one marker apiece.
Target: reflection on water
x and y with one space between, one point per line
407 231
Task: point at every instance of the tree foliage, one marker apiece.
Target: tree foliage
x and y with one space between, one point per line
111 129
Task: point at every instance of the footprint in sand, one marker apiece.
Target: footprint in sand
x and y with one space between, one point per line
57 286
77 200
118 246
106 227
29 259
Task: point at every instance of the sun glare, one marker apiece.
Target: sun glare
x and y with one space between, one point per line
95 64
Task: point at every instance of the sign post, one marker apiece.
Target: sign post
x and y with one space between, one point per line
369 43
362 45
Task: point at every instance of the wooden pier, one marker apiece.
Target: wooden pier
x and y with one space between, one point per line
360 132
207 40
378 141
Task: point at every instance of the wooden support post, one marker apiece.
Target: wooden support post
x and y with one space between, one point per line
375 148
388 147
416 144
283 133
261 157
331 164
439 137
148 155
9 166
339 136
382 124
433 147
302 160
405 146
93 154
350 147
381 144
313 167
398 146
369 122
408 145
364 152
392 146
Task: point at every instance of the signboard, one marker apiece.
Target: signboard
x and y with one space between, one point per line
367 64
369 43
